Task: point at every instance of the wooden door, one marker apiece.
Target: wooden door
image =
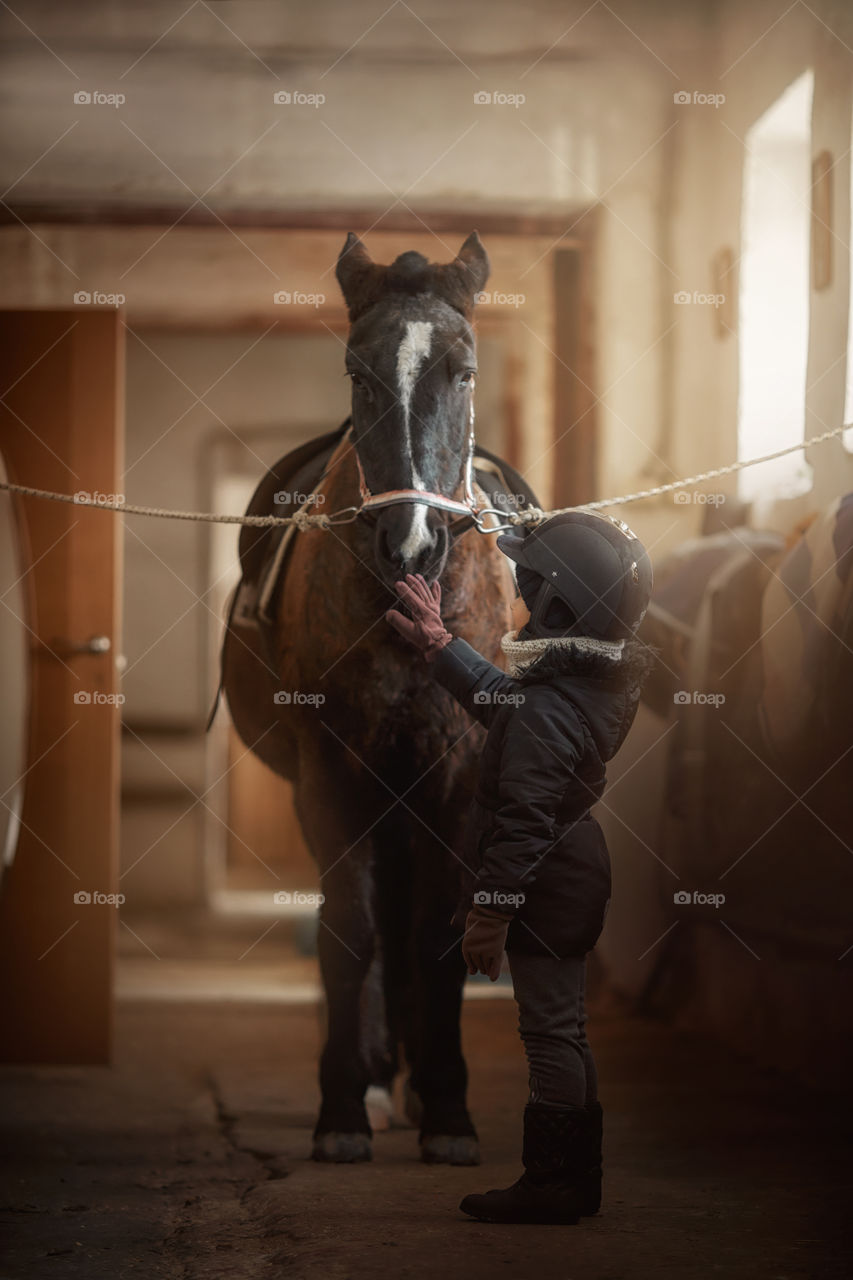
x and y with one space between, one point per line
61 428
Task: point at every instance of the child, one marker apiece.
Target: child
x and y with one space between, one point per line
541 870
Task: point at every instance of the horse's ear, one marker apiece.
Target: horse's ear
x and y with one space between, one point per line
355 271
474 261
462 279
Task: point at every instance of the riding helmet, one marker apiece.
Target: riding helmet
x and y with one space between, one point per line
593 564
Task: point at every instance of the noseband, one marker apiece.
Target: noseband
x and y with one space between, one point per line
466 510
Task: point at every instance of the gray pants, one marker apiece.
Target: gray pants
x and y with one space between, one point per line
552 1022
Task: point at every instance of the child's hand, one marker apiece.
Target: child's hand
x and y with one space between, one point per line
425 629
485 941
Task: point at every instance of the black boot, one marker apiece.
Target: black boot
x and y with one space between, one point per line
555 1159
589 1191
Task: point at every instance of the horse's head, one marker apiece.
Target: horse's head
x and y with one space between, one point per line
412 359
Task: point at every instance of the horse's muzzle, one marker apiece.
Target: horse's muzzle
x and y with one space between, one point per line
410 538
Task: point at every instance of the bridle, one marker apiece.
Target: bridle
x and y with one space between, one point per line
468 513
466 508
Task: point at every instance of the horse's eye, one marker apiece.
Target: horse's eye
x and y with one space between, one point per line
466 379
359 382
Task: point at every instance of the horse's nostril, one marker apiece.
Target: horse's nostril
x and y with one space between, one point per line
399 551
390 551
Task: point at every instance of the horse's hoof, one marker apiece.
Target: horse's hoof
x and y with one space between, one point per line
342 1148
379 1107
412 1105
450 1148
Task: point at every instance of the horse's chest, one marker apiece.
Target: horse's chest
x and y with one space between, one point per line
399 719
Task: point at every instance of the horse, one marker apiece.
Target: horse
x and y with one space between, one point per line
382 760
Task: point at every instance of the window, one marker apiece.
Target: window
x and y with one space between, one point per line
774 294
848 398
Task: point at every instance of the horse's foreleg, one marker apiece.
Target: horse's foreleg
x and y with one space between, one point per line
380 1047
345 945
439 1075
388 1019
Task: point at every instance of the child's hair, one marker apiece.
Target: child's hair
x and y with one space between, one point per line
529 583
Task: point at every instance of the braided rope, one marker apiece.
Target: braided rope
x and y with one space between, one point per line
302 518
535 513
305 519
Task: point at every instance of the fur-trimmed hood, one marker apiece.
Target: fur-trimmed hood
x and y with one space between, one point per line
603 691
628 671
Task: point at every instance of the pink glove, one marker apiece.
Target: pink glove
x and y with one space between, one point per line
424 629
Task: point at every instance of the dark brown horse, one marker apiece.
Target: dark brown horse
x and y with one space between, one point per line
383 766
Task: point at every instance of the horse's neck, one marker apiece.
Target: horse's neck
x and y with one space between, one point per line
477 590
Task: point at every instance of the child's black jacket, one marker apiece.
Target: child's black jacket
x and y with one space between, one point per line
551 729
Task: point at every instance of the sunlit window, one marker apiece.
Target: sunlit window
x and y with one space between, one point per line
848 399
774 294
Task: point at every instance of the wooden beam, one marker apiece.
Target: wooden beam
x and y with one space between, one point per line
445 221
575 434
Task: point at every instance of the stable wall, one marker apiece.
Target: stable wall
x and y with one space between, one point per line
750 998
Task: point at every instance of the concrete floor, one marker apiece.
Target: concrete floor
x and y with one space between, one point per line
187 1159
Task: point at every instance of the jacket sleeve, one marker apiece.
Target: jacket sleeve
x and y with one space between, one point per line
543 745
472 679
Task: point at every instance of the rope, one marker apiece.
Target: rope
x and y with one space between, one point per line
535 513
304 519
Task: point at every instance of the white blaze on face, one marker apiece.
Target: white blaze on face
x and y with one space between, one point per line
413 350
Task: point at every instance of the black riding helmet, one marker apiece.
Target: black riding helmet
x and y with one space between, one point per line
595 565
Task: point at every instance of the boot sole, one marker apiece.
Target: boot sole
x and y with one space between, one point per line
529 1217
524 1221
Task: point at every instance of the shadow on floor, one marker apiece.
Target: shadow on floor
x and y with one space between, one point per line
188 1159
